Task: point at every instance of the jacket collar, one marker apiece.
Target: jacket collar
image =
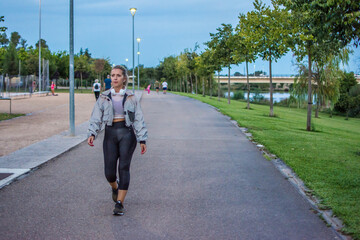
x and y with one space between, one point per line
108 92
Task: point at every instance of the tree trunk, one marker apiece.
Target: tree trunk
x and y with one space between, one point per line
196 87
203 86
219 86
186 84
182 84
210 85
271 90
229 85
191 84
80 81
317 108
248 85
308 122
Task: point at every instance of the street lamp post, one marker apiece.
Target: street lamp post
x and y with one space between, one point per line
133 11
126 62
138 40
39 45
71 71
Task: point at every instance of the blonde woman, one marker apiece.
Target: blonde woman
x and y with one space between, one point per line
124 123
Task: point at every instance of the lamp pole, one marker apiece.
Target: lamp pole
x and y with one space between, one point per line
133 11
71 71
39 45
126 62
138 53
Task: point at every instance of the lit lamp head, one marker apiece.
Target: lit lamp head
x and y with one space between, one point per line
133 11
138 53
138 40
126 59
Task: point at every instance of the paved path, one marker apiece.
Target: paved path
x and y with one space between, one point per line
187 186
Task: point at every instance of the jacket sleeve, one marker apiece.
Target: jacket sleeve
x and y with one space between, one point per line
95 120
139 123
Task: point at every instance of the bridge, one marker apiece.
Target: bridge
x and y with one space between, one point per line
262 79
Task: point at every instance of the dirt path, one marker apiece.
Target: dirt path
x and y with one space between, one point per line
46 116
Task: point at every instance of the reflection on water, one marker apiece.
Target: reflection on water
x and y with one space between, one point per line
277 96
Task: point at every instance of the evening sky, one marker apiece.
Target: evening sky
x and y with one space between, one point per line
166 27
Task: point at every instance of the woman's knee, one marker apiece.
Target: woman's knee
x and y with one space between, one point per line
110 175
124 180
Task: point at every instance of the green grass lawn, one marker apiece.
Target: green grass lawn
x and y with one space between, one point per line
327 159
6 116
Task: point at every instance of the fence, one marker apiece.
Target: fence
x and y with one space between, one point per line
13 86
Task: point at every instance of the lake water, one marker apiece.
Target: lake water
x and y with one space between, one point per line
277 96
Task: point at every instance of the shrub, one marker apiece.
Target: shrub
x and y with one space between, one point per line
238 95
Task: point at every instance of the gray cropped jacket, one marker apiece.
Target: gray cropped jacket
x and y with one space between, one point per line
103 112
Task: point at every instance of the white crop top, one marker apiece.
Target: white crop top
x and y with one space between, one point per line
117 101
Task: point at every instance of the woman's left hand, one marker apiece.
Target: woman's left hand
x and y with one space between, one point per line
143 148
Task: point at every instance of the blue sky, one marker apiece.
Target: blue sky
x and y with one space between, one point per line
166 27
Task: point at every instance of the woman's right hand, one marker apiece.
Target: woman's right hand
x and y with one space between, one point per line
91 141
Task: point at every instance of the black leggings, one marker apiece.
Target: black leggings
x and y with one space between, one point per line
119 143
97 94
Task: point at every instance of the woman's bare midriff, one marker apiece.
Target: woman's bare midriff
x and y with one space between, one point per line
119 120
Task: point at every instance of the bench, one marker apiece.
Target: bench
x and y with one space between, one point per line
1 98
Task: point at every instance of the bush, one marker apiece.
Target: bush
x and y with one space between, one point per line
238 95
354 110
257 96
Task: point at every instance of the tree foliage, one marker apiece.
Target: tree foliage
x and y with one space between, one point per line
2 29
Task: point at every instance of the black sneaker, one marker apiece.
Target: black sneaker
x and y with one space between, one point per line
119 209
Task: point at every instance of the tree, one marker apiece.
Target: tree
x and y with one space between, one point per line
269 31
23 56
205 68
23 43
61 60
43 44
325 25
2 29
82 66
3 40
10 65
326 83
245 50
32 62
191 55
169 70
101 66
15 38
222 43
183 71
347 81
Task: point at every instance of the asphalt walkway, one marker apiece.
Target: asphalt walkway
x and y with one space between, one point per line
200 179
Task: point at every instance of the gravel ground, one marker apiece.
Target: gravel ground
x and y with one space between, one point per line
46 116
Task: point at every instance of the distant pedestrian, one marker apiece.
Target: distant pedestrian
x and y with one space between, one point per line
164 85
96 89
157 86
121 114
34 86
52 87
107 83
148 89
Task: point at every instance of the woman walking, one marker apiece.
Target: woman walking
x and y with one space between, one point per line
121 113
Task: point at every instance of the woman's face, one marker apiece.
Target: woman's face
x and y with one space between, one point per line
117 78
